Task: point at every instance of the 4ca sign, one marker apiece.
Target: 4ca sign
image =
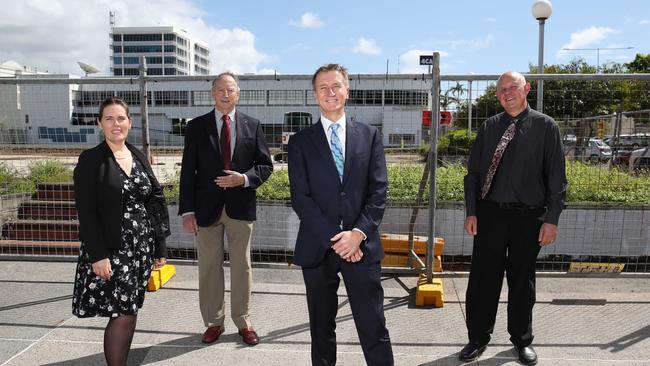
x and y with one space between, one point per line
426 59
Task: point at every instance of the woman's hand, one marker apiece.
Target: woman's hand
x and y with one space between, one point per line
159 262
102 269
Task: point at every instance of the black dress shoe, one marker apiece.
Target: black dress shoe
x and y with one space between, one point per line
472 351
527 355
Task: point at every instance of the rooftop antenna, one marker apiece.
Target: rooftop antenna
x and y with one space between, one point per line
111 18
88 69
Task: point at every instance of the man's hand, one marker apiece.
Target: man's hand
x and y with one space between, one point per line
471 225
547 234
347 245
231 180
189 224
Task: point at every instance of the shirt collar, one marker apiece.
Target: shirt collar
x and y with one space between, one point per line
218 115
327 123
521 115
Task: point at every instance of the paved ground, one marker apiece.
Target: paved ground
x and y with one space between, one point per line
578 321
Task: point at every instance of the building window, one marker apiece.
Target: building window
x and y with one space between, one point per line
181 41
170 60
401 139
171 97
132 97
170 36
252 97
117 37
142 37
154 60
311 100
286 97
117 60
154 71
170 48
170 71
90 98
117 49
365 97
143 49
131 60
201 51
131 72
117 72
201 97
406 97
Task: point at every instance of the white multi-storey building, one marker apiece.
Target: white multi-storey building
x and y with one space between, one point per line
168 51
67 111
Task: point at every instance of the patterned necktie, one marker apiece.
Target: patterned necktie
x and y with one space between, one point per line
224 141
337 150
498 154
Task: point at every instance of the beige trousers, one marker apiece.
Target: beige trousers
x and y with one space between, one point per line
210 250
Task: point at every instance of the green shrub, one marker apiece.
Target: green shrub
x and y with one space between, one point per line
170 185
276 188
587 183
12 182
49 171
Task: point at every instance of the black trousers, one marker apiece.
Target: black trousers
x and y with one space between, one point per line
507 240
366 296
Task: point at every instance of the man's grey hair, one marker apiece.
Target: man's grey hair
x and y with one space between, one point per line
226 73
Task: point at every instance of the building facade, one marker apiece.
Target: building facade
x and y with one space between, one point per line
168 51
66 112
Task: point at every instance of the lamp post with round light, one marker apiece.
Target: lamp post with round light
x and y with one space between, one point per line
541 11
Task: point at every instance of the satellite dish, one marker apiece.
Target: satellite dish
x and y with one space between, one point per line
89 69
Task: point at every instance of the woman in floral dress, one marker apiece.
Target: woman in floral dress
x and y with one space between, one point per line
123 222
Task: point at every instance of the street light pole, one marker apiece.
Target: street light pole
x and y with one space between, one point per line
541 11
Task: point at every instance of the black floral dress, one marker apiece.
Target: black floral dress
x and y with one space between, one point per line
123 293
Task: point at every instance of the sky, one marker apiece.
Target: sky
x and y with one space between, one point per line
368 37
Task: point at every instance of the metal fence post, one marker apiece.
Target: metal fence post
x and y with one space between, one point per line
433 160
144 108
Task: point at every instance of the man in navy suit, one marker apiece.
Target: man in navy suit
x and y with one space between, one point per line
224 160
337 172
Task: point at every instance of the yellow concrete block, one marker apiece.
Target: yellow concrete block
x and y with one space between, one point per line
160 276
399 244
401 260
428 294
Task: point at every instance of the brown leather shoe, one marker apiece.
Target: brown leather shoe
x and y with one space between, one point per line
249 336
212 333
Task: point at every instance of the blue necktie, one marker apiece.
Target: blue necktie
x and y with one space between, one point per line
337 150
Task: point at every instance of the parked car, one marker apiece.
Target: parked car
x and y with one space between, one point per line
630 141
640 159
595 150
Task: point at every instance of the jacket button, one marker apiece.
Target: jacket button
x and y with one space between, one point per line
342 194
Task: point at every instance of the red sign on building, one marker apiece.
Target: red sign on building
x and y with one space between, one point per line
445 118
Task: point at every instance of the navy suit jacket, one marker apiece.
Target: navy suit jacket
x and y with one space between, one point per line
203 163
322 201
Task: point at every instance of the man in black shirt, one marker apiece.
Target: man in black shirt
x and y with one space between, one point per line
515 189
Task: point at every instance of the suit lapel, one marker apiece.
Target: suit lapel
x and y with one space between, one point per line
322 147
351 142
211 130
240 126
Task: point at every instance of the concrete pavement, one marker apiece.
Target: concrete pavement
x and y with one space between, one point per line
588 320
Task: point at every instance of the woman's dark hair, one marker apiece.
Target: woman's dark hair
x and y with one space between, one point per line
113 100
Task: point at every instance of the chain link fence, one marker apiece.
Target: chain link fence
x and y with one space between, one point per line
604 119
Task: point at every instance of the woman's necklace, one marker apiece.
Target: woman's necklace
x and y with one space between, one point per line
124 156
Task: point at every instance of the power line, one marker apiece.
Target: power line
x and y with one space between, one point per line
597 49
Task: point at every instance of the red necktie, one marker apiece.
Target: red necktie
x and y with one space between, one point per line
224 141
